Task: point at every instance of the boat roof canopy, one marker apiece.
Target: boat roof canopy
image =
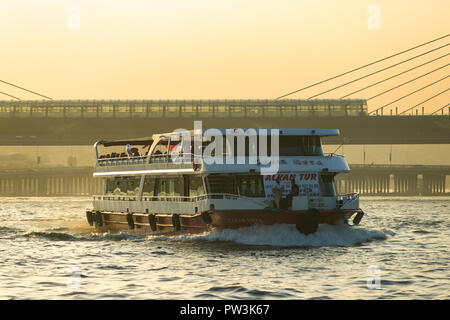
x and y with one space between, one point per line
308 132
138 141
282 131
165 136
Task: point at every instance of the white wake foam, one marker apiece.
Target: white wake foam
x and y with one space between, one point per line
288 235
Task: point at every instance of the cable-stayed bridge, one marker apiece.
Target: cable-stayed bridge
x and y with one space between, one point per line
410 99
84 122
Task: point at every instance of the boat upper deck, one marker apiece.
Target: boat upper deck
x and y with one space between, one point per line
300 150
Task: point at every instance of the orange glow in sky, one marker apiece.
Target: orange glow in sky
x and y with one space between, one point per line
180 49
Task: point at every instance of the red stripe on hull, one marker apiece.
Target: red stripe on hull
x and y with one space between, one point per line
117 222
230 219
237 219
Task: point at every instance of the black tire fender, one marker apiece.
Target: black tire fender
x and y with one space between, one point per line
130 220
358 217
308 222
90 218
98 218
206 217
176 222
152 222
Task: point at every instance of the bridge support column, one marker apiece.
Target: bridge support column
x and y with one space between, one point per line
433 184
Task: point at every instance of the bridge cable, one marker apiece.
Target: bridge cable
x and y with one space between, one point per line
404 83
409 94
375 72
448 104
25 89
9 95
425 101
364 66
396 75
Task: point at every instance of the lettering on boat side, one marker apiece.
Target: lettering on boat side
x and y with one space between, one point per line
247 220
308 184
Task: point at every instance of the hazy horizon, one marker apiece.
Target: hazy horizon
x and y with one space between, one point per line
374 154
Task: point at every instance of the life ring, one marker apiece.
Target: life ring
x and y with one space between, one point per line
130 220
98 218
152 222
206 217
308 222
176 222
358 217
90 218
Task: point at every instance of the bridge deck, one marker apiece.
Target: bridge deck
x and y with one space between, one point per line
180 108
84 122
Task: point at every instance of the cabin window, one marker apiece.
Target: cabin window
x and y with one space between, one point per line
123 186
300 146
288 146
169 187
148 190
221 183
173 186
110 186
133 187
196 186
326 184
176 186
250 185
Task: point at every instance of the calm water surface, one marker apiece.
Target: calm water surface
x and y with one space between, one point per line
48 251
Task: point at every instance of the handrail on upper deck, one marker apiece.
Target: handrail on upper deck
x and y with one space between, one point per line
133 160
121 161
227 196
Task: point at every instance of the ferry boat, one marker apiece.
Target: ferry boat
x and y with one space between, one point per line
147 192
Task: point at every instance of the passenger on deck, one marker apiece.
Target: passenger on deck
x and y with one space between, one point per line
294 192
134 152
117 190
277 192
243 188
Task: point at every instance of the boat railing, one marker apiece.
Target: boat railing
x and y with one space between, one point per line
332 154
225 196
230 196
116 197
121 161
342 199
173 158
140 160
149 198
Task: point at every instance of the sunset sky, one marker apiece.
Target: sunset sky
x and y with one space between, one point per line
193 49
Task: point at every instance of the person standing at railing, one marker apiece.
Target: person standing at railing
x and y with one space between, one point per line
277 192
294 192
